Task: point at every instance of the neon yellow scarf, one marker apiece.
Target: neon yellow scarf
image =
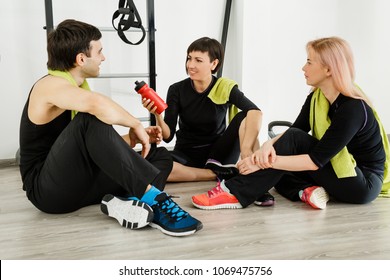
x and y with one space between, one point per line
67 76
220 94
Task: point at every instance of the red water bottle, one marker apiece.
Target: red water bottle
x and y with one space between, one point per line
148 93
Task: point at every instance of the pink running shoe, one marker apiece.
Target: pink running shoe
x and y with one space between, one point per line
216 198
315 196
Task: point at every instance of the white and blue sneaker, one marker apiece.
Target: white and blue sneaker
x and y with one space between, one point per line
171 219
130 213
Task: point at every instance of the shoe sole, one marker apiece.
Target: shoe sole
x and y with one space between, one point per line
175 233
319 198
219 206
222 165
228 170
266 203
132 214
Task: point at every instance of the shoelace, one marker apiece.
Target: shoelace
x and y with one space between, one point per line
216 190
171 209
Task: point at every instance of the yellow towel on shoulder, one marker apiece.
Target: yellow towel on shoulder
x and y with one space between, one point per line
385 192
220 94
343 163
67 76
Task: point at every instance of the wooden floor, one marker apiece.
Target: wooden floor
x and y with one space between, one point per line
287 231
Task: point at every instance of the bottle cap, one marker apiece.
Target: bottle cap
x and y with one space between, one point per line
139 85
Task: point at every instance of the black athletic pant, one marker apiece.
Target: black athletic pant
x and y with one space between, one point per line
90 159
363 188
225 150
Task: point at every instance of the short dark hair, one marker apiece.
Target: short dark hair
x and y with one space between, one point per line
212 46
70 38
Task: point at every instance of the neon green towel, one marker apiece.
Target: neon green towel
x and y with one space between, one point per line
220 94
385 192
67 76
343 163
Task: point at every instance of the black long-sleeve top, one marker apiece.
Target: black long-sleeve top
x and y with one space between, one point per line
353 124
201 121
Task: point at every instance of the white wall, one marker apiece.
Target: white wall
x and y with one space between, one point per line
265 52
273 34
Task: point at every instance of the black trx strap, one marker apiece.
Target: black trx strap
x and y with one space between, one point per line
129 18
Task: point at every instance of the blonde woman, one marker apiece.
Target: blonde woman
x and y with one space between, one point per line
344 156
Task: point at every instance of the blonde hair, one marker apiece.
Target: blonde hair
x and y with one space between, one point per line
336 54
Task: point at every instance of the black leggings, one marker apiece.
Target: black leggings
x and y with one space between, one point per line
363 188
90 159
225 150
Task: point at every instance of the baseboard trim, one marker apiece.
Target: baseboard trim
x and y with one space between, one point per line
7 162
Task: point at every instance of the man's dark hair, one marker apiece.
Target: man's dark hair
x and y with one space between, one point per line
70 38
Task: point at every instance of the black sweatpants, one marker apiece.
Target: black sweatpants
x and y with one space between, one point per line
225 150
363 188
90 159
